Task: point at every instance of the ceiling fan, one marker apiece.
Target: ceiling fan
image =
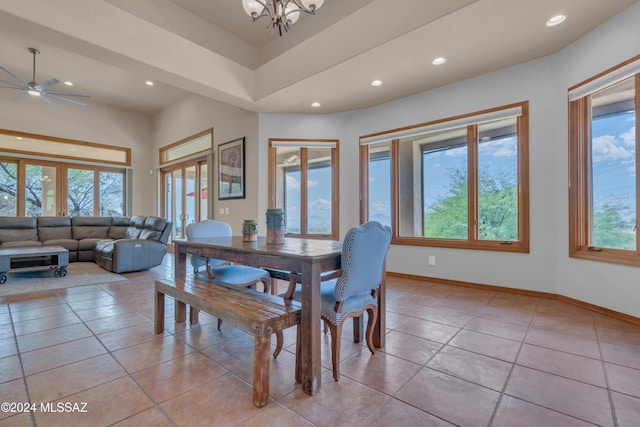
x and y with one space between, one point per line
40 90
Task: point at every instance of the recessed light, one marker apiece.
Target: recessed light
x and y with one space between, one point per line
149 83
376 83
439 60
315 104
555 20
68 83
19 138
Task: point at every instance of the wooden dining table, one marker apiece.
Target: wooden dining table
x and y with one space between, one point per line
308 257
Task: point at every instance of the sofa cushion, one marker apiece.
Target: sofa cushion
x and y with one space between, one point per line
54 227
68 244
86 227
119 227
13 229
87 244
104 248
137 224
20 244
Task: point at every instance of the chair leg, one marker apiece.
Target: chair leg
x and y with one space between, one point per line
336 336
266 285
373 316
279 344
219 324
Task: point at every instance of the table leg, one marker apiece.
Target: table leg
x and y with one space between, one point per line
310 367
180 260
159 313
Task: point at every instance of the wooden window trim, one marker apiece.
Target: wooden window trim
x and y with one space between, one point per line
520 246
335 185
579 183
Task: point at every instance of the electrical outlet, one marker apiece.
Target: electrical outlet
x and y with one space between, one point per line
432 260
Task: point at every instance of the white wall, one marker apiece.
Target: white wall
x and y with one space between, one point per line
94 123
544 84
194 114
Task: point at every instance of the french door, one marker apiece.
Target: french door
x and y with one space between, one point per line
185 195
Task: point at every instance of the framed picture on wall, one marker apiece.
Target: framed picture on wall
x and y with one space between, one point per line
231 173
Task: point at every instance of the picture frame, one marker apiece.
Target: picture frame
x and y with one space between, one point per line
231 170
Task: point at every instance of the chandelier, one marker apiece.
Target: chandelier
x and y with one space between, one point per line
282 13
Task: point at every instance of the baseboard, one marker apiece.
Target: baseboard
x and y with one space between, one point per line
539 294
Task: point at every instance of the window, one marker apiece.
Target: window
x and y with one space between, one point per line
303 180
460 182
8 188
603 166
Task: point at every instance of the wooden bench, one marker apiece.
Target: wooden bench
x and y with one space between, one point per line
257 313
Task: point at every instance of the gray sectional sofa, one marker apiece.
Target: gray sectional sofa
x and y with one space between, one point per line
118 244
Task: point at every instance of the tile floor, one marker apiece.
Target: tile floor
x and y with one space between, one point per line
454 356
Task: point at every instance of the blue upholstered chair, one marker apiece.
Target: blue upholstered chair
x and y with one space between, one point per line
351 291
222 272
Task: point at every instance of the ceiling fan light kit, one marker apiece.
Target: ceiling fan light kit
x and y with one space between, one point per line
40 90
282 13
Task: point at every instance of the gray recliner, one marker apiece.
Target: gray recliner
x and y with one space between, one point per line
143 247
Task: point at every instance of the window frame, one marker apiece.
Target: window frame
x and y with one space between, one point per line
579 144
304 146
472 242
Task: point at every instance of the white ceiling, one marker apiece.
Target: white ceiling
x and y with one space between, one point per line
108 48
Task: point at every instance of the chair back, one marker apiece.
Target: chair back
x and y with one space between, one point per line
364 250
208 228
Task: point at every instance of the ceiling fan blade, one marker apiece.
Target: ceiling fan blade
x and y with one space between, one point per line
12 86
48 84
72 101
63 93
16 78
49 101
21 96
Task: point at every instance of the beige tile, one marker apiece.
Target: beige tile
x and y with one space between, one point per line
201 336
433 331
457 401
144 355
169 379
12 392
337 403
489 345
60 382
45 323
106 324
126 337
476 368
399 414
10 368
623 379
152 417
275 415
627 409
626 355
564 364
52 337
100 312
563 342
23 315
105 405
61 354
18 420
201 406
380 371
567 325
570 397
495 327
411 348
8 347
515 412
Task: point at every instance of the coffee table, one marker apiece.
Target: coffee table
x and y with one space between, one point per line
34 258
